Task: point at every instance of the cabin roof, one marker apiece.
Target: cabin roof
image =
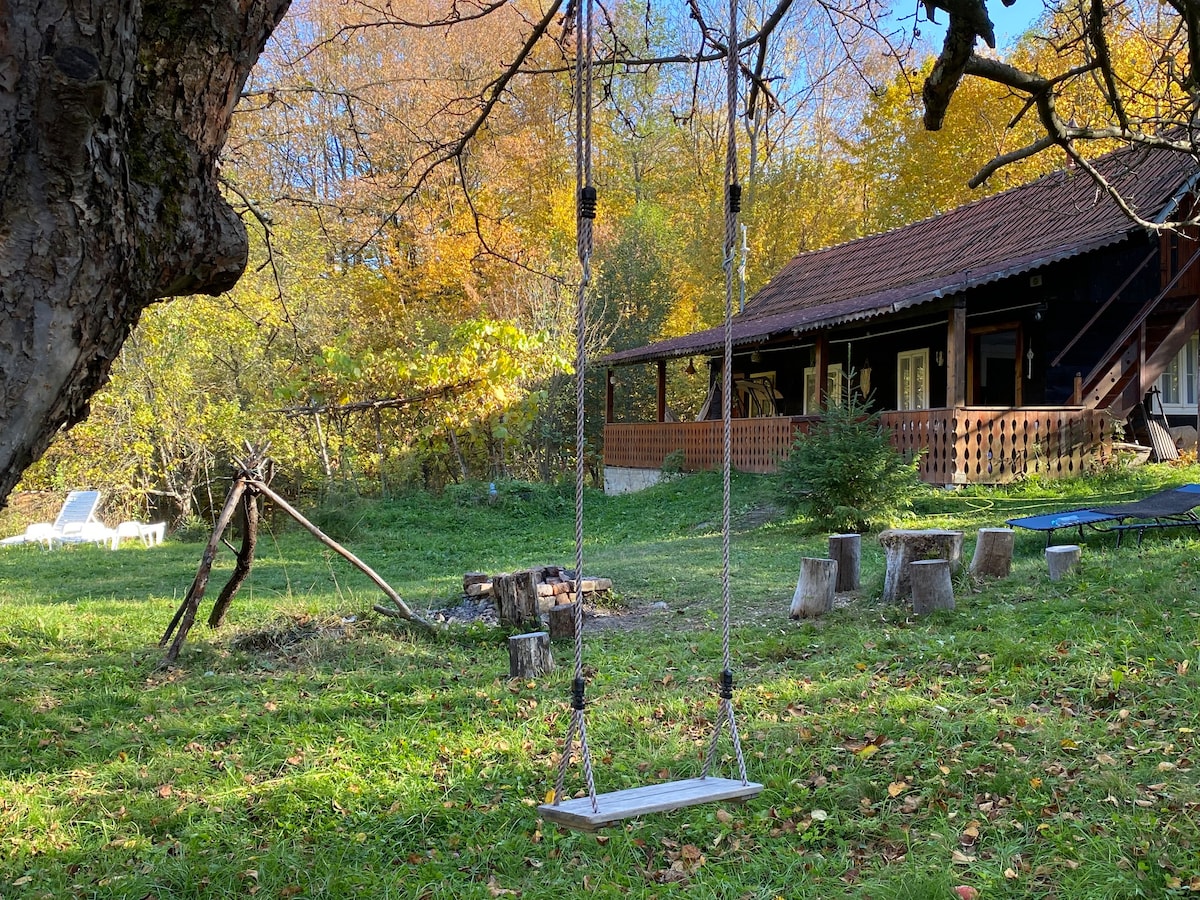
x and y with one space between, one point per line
1019 230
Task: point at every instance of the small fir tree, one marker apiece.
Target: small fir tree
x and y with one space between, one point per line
845 474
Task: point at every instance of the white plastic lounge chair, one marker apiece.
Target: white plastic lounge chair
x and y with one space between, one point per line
149 534
37 533
88 533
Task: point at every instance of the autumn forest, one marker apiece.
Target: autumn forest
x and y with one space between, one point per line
407 319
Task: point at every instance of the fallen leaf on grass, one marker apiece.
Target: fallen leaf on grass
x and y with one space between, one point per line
496 891
961 859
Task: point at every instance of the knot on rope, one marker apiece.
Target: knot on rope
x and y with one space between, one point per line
735 198
726 685
577 688
587 203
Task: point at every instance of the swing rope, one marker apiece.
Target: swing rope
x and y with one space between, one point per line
586 211
585 194
733 204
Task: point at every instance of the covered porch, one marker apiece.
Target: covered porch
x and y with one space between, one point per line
958 445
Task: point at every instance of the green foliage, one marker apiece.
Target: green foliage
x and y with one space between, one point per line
845 473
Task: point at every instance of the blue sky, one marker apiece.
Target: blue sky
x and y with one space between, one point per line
1011 21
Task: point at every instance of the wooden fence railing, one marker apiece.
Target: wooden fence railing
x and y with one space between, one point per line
967 445
758 444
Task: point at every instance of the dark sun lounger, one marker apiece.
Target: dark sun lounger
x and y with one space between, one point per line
1166 509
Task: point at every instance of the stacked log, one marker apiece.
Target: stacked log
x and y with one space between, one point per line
531 594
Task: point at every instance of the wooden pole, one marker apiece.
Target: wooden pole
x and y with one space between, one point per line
846 549
186 614
402 610
956 356
814 590
245 559
932 587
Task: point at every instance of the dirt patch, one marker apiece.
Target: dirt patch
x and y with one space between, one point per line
287 634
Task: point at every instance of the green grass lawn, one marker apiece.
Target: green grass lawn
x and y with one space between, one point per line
1039 741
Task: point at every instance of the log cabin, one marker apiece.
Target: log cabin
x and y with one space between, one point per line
1018 334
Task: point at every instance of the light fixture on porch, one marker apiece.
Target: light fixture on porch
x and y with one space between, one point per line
691 367
756 357
939 357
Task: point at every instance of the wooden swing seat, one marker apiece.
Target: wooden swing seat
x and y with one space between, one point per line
652 798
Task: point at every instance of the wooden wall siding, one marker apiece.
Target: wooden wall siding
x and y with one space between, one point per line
1176 250
758 444
968 445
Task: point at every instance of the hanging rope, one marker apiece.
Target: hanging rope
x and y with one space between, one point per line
585 194
733 205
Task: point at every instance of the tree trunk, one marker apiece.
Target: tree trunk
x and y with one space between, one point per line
932 587
846 550
529 655
1062 561
112 116
814 590
516 597
993 553
902 546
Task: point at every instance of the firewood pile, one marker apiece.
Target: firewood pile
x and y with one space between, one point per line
531 593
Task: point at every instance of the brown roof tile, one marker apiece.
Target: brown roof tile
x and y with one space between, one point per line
1055 217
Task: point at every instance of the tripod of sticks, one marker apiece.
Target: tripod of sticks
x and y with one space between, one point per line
250 485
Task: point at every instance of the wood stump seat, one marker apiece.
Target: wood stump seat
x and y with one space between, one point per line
902 546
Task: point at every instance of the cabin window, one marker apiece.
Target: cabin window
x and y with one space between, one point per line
835 390
912 379
1178 382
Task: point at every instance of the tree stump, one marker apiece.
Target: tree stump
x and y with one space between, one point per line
932 586
1062 561
993 553
846 550
814 590
529 655
562 621
516 597
903 546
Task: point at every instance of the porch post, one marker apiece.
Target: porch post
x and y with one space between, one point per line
661 393
956 356
821 365
609 378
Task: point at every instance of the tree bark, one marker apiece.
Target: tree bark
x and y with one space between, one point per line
902 547
516 597
112 116
529 655
993 553
245 560
1062 561
846 550
932 586
814 589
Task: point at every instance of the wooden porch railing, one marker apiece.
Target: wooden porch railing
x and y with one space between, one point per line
967 445
758 444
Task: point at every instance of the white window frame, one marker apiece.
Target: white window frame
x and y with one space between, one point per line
1177 385
904 400
835 389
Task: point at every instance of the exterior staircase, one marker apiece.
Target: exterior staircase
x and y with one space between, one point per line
1141 353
